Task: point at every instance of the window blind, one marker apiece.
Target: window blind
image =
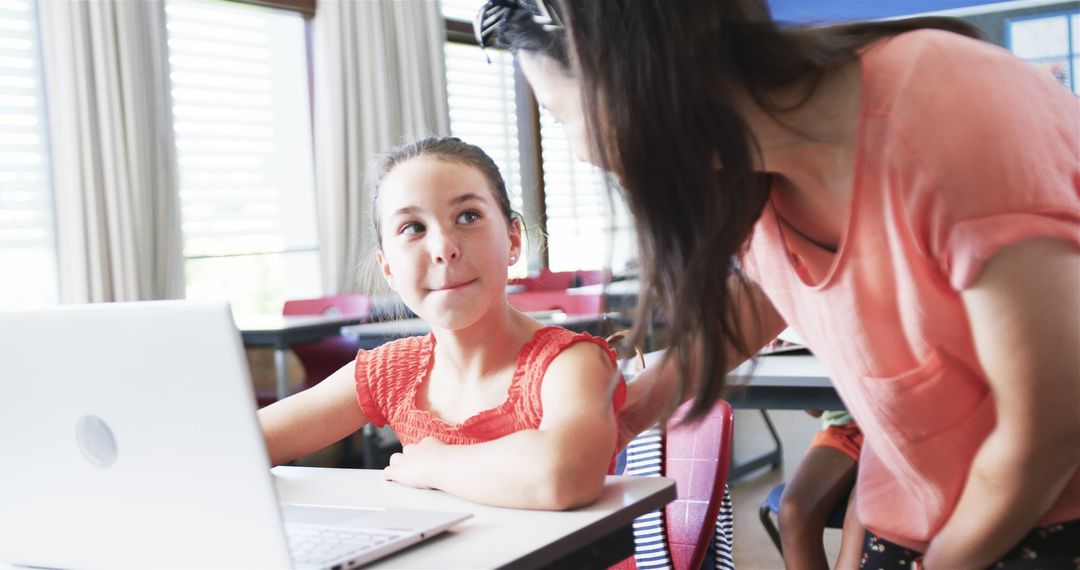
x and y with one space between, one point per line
462 10
243 137
27 228
586 229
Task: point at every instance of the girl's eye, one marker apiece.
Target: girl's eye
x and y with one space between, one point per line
468 217
411 228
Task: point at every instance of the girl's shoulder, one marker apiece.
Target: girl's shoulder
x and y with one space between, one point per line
549 342
396 361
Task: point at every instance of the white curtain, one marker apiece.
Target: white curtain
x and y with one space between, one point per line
380 80
118 228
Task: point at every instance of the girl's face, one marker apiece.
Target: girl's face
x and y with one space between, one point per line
559 93
446 245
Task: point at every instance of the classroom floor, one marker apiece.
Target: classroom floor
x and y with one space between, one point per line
753 549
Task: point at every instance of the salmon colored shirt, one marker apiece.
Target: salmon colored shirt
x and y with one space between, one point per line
962 150
390 377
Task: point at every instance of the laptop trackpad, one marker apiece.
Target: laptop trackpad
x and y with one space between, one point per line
322 515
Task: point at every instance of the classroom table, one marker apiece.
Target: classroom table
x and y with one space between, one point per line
371 335
595 536
775 382
282 332
621 295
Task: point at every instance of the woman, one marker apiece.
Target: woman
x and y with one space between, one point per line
905 197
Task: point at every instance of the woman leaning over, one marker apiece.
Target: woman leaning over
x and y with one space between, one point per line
903 195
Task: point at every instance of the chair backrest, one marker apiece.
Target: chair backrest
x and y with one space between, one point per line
323 358
349 304
697 456
557 300
546 281
558 280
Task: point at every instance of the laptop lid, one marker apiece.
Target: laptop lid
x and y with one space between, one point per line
128 437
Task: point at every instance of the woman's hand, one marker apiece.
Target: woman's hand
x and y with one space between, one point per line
414 465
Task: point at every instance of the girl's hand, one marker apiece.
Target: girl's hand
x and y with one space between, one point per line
415 464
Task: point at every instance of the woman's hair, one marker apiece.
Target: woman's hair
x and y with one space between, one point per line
449 149
658 81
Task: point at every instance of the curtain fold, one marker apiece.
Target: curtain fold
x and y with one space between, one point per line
107 91
380 80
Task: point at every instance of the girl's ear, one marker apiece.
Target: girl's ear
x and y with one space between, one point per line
384 267
515 240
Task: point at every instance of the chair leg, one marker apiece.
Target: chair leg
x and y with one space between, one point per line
778 454
764 513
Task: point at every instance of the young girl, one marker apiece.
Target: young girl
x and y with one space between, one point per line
490 406
905 197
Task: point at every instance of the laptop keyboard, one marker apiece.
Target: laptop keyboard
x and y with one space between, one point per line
324 547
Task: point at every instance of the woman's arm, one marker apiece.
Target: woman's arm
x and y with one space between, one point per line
1023 313
852 537
654 391
560 465
313 419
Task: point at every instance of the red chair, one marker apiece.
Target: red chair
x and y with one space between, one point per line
597 277
697 456
323 358
546 281
559 280
531 301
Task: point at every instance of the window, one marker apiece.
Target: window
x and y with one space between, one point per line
27 229
585 230
1051 43
242 122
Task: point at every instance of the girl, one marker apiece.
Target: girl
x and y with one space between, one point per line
905 197
491 406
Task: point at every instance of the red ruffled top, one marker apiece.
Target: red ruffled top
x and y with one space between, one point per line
389 378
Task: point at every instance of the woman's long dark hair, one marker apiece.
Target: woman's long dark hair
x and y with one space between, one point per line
658 79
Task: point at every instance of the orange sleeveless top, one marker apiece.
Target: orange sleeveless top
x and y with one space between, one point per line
389 378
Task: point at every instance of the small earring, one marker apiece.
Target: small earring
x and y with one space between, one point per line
513 259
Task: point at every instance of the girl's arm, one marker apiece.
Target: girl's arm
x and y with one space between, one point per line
1023 312
655 390
560 465
312 419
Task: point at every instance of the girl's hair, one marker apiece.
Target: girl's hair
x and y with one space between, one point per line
657 82
449 149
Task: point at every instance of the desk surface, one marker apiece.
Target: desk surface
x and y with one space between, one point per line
494 537
278 324
386 330
779 382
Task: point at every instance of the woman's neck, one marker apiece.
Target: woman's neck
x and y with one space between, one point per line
811 151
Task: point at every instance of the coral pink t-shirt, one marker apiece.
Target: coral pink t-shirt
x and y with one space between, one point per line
389 379
963 149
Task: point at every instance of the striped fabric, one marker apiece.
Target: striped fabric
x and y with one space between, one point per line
723 539
644 458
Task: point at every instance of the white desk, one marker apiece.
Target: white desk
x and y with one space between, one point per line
494 537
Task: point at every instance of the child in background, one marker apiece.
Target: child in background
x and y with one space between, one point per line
824 478
491 405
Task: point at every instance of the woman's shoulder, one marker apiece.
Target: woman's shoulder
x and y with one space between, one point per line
926 66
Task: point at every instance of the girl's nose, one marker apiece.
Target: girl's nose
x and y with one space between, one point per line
444 249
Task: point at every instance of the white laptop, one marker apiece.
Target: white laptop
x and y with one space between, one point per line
128 439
